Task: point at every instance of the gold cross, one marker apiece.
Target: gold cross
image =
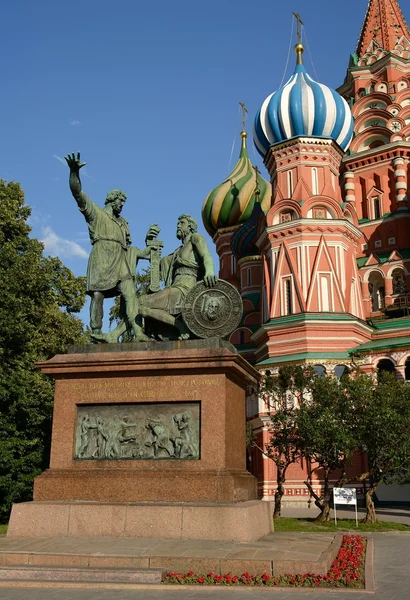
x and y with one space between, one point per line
300 22
244 113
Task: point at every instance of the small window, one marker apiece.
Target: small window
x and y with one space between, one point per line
290 184
233 264
392 241
378 244
376 207
315 182
365 246
241 337
288 297
249 277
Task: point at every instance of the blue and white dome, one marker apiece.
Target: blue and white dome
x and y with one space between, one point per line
303 107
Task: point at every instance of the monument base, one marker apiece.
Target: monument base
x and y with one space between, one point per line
240 522
148 441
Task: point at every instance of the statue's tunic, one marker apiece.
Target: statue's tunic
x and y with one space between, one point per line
180 274
109 259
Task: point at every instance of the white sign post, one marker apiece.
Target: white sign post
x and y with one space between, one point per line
346 496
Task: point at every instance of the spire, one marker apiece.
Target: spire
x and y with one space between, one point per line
244 135
384 24
299 48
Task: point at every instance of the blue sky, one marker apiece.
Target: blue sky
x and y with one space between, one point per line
148 92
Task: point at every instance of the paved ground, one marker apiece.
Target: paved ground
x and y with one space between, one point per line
392 580
392 557
273 547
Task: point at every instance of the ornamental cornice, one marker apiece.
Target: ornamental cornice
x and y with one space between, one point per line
368 157
309 141
312 226
223 230
245 259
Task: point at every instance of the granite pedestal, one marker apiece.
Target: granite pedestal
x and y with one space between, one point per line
209 497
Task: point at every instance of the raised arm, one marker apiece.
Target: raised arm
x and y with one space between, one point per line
75 164
200 245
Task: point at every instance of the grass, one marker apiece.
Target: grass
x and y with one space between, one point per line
3 529
288 524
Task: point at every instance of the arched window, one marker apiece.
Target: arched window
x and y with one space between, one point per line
376 291
385 366
320 370
248 277
399 281
341 371
407 370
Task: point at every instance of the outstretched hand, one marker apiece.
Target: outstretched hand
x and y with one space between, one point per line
74 162
210 281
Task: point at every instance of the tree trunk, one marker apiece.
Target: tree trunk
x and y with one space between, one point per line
324 515
280 479
370 516
278 504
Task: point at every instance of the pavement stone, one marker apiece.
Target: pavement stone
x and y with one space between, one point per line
392 552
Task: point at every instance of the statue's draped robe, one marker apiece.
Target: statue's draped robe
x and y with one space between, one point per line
111 261
180 275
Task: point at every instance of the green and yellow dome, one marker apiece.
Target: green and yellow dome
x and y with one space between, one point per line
231 203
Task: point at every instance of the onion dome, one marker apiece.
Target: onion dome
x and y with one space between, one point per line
231 203
303 107
243 240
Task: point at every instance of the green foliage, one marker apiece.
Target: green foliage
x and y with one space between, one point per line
335 418
292 524
38 298
326 437
283 393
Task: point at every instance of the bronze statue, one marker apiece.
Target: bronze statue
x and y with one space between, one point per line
181 270
112 263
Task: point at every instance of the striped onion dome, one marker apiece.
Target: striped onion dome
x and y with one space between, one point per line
243 240
231 202
303 107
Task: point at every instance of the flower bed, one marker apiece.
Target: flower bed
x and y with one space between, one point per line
347 570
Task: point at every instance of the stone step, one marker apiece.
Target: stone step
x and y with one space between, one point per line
80 574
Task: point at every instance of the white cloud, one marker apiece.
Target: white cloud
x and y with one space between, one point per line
54 245
75 123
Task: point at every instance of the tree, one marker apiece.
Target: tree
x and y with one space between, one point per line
326 436
283 393
381 416
38 299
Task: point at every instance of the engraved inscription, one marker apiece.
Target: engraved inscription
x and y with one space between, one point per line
154 431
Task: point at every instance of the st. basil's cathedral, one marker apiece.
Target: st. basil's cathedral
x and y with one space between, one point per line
320 250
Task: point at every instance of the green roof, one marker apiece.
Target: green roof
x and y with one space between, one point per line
381 345
274 360
312 317
384 256
400 323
